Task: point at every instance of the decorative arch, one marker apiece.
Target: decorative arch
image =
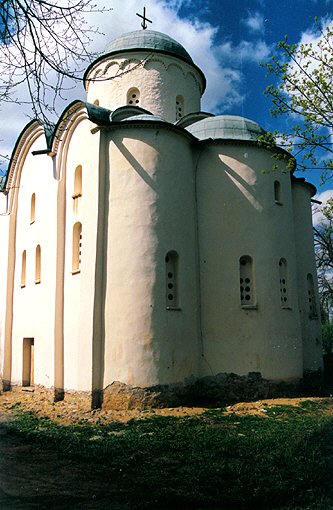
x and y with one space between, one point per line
192 76
27 138
126 64
176 66
148 62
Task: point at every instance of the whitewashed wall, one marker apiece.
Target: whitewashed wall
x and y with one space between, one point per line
151 211
238 217
33 305
310 320
160 80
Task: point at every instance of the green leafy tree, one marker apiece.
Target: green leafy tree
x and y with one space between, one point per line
304 93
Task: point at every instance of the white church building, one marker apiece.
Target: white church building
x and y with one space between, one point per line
145 242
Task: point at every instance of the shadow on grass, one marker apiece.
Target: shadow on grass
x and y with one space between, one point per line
284 460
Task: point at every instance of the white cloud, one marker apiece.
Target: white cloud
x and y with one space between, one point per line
254 22
223 81
245 51
318 216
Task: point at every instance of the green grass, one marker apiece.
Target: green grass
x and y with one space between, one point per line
213 461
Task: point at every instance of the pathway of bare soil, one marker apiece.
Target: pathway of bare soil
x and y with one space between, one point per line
74 409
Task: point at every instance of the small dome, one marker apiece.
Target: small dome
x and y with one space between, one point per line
148 40
228 127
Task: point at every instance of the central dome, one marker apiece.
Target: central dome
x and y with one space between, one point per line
148 40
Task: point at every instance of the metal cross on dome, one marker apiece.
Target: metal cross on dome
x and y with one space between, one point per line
144 25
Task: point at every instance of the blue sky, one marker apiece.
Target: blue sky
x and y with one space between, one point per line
227 39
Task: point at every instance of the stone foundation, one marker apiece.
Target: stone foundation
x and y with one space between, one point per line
218 390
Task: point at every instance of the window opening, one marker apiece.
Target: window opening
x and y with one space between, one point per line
77 188
133 97
284 298
78 182
246 281
33 208
28 362
311 297
77 246
38 264
179 107
277 192
171 269
24 268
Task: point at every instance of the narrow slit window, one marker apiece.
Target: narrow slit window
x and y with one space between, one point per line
179 107
247 294
28 362
38 263
77 182
77 246
33 208
284 291
133 97
311 297
277 192
24 268
171 273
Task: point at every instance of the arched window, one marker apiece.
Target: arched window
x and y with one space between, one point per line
76 249
171 273
277 192
311 297
284 298
33 208
38 265
247 291
24 268
179 107
133 97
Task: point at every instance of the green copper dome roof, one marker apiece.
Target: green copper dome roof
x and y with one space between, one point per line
148 40
228 127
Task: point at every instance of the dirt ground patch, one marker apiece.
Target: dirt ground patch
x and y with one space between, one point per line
75 409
